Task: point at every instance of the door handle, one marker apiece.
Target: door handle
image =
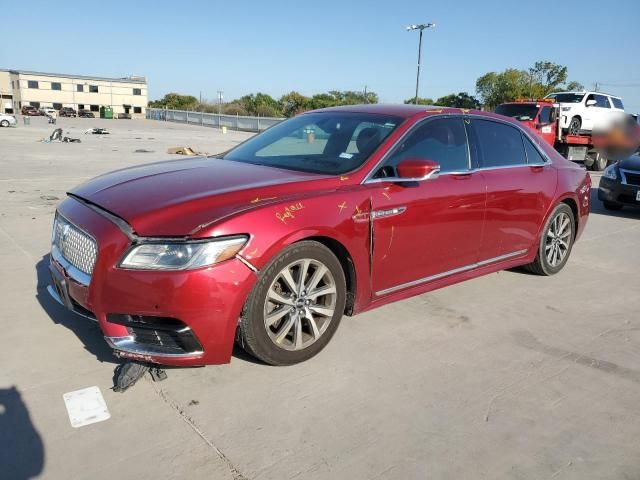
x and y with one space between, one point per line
536 168
460 175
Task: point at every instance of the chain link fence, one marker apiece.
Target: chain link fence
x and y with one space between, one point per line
233 122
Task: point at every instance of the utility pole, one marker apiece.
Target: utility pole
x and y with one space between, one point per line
220 93
420 27
366 100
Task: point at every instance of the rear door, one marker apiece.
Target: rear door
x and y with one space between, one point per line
520 184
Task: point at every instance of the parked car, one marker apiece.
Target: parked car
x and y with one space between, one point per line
620 184
7 120
586 111
47 111
278 238
85 114
67 112
30 110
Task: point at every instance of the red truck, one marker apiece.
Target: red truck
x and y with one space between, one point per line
541 115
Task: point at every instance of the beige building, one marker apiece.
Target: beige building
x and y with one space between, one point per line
19 88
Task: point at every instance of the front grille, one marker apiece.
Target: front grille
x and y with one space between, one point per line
632 178
168 334
78 248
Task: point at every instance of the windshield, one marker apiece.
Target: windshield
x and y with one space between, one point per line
519 111
566 97
324 142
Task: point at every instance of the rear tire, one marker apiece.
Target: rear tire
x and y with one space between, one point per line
285 319
599 162
613 206
556 242
574 126
4 123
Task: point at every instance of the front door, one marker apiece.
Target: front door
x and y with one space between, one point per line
430 229
520 185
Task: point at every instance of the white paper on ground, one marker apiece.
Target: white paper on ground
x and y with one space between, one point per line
86 406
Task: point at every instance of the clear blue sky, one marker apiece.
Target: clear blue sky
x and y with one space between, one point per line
276 46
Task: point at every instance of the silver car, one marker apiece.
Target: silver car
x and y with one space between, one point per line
7 120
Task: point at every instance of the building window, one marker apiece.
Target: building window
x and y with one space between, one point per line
80 106
95 108
56 86
35 104
32 84
79 88
12 87
137 91
93 88
137 109
57 106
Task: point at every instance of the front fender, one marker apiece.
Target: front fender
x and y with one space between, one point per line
274 226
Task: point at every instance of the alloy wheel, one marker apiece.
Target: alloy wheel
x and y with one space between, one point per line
300 304
558 239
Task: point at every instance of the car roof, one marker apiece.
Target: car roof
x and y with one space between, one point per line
397 110
586 92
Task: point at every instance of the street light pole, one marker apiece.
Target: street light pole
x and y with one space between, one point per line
420 27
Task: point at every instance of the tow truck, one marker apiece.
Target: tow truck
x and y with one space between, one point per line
542 116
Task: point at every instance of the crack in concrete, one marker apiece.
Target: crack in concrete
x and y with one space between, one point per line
237 475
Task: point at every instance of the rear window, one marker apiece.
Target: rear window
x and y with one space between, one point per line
617 103
500 145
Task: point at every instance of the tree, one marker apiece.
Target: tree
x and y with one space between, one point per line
175 101
421 101
459 100
536 82
294 103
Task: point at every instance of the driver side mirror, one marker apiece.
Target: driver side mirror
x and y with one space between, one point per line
591 103
417 170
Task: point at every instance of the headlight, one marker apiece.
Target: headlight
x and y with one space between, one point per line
610 172
565 109
183 255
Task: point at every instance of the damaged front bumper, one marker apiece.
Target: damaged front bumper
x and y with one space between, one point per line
180 318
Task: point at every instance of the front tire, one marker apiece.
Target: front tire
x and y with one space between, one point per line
4 123
556 242
296 306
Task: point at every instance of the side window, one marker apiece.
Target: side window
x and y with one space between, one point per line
603 101
533 155
500 145
442 140
617 103
545 115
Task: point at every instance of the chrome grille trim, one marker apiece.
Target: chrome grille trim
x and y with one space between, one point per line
76 247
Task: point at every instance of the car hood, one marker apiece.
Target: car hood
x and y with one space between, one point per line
180 197
631 163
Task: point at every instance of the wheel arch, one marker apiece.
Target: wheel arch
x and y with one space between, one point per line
573 205
348 267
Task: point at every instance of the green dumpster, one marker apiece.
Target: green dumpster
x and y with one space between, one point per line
106 112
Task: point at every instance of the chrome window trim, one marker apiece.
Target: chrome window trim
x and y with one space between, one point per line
623 176
128 344
73 272
369 177
448 273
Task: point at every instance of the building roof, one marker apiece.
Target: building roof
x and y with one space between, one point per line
130 79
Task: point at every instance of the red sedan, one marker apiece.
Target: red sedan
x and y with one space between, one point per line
332 212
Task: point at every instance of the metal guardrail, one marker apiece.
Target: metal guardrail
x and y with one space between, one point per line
233 122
